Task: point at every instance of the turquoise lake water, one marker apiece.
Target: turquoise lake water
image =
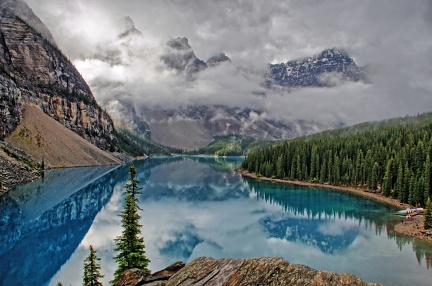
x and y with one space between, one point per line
199 207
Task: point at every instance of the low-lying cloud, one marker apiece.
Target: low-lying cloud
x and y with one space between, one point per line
389 37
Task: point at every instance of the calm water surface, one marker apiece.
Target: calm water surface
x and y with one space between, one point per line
198 207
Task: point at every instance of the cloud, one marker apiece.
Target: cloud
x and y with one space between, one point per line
389 37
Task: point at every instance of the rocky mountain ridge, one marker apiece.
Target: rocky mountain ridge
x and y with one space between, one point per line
193 126
322 70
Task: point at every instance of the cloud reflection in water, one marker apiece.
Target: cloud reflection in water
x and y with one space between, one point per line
200 207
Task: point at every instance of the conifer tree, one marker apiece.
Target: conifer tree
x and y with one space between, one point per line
428 215
130 245
427 179
91 269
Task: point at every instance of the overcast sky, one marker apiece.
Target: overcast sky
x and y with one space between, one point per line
391 37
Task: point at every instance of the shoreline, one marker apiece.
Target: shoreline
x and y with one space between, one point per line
412 228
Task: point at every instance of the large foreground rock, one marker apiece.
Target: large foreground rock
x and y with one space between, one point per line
253 271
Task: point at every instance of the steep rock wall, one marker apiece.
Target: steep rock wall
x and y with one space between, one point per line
33 70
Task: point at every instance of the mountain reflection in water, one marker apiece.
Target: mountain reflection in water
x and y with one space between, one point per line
198 206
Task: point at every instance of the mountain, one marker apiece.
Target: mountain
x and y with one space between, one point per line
36 77
190 126
323 70
33 70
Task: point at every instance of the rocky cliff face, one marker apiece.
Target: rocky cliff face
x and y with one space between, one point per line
33 70
230 272
22 10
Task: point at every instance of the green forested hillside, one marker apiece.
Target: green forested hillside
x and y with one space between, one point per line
137 145
232 145
393 156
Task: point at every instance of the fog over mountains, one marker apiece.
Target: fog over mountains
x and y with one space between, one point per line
124 53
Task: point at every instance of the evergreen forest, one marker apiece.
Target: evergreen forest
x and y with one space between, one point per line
392 157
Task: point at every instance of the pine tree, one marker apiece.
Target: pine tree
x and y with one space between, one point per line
399 183
427 179
130 245
91 269
428 215
374 177
388 176
314 159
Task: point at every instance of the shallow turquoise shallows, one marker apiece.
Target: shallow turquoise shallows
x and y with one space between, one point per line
195 207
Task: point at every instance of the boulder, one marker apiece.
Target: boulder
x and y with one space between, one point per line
132 277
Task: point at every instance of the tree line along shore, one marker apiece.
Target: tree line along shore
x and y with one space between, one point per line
390 161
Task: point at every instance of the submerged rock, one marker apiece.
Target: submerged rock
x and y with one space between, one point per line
250 271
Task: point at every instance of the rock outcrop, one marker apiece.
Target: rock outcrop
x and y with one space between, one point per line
33 70
15 167
253 271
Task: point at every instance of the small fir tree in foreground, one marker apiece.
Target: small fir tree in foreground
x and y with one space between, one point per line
91 269
428 215
130 245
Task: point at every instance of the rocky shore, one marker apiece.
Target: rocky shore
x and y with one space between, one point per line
13 169
271 271
412 227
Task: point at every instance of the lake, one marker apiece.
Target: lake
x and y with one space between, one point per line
197 206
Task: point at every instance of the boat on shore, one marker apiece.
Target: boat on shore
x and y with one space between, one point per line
410 211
